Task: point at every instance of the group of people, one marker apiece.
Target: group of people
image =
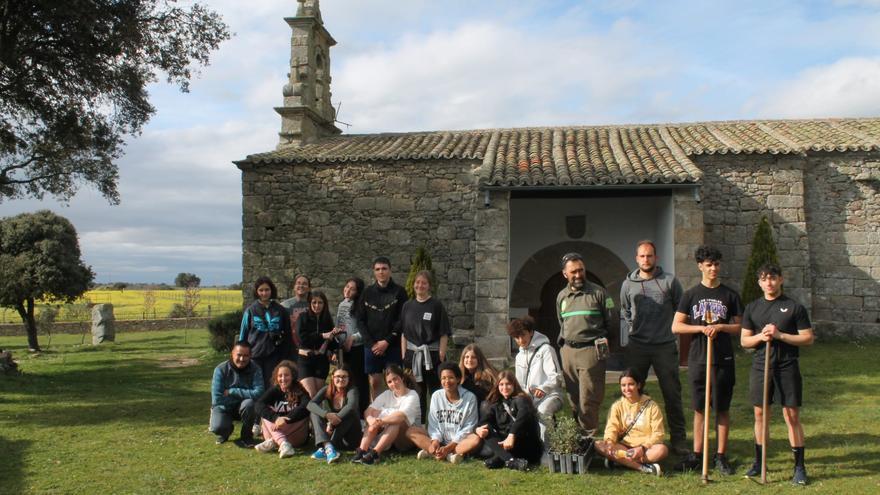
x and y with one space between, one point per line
391 370
654 310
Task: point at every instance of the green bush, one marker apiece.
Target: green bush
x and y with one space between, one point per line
224 330
565 436
180 311
763 251
421 261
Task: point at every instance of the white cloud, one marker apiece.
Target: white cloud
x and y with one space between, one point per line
849 87
492 74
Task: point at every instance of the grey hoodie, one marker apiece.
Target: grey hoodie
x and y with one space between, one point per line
647 307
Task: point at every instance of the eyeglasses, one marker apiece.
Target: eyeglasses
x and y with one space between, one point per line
340 377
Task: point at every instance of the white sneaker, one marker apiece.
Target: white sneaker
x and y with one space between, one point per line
423 454
286 450
257 430
266 447
455 458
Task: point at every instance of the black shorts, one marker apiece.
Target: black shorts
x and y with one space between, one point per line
723 380
374 364
786 385
315 366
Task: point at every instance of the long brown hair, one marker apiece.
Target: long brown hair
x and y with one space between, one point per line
393 369
294 394
485 372
495 395
332 390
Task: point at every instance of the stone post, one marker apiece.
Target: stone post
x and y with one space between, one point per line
103 324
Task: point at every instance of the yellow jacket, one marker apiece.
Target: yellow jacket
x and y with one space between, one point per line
647 431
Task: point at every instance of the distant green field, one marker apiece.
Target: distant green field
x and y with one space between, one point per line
130 304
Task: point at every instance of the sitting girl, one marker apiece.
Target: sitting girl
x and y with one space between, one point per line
478 374
510 429
634 432
335 417
452 417
389 416
283 412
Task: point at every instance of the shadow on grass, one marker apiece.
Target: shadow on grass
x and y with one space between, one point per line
12 467
136 391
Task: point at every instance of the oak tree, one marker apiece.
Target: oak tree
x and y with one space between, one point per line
73 84
39 260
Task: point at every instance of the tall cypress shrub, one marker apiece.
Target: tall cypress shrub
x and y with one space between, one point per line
763 251
421 261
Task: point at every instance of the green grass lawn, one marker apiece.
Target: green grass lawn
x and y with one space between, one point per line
131 417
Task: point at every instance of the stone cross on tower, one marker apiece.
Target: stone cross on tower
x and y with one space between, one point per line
307 114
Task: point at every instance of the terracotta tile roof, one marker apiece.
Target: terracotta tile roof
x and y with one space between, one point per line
591 155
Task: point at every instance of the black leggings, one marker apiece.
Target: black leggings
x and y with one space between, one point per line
528 447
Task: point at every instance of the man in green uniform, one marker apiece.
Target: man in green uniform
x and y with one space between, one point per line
584 311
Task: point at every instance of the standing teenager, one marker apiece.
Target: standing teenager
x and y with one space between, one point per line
317 337
425 332
265 325
378 313
353 343
710 311
782 323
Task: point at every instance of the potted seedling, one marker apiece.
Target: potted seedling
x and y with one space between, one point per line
570 449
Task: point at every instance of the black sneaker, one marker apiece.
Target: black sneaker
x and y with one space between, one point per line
652 468
358 455
245 443
681 447
722 465
754 471
518 464
371 457
220 439
800 476
690 463
609 464
494 462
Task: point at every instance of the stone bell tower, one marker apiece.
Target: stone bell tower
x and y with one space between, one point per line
307 114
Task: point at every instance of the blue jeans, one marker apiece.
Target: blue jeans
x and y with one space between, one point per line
223 416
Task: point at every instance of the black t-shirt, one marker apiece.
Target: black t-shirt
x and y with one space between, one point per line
424 322
710 306
788 315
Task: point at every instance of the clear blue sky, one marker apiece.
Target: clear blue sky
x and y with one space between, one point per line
423 65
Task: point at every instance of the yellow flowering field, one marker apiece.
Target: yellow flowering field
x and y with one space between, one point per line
130 304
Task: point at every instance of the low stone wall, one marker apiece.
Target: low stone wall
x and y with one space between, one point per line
13 329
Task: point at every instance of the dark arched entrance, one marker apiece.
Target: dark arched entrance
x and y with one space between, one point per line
540 279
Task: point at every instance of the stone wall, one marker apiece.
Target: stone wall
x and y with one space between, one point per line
737 191
843 219
330 221
825 215
689 233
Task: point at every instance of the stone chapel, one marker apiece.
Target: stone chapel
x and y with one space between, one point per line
497 208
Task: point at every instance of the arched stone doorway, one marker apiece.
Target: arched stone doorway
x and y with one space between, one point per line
540 279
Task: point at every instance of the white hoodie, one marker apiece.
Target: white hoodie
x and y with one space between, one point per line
543 372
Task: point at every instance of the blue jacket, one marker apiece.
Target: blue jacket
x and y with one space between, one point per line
267 330
242 384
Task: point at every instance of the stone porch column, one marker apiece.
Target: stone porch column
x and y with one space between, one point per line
491 275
